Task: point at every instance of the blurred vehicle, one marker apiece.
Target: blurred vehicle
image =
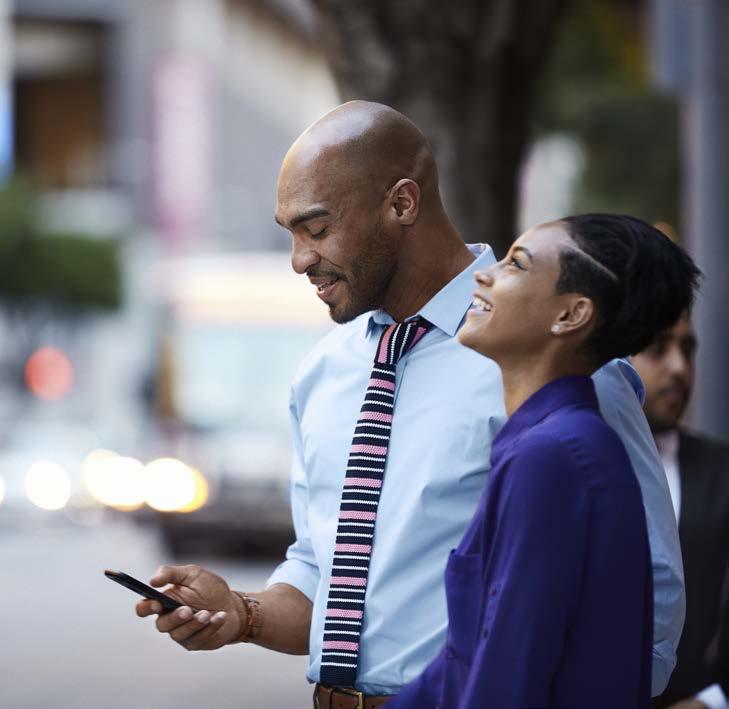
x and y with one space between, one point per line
40 468
234 330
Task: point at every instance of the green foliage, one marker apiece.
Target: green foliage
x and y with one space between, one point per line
16 204
633 160
64 270
596 87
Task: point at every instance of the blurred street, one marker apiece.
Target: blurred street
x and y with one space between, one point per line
72 639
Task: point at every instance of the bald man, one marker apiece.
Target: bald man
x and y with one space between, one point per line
358 191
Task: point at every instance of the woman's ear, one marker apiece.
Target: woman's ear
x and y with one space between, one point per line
578 314
405 196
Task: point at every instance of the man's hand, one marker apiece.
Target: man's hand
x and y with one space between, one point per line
220 614
692 703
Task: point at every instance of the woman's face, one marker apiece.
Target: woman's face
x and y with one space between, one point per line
516 299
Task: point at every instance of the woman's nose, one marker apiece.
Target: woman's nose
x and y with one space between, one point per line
484 278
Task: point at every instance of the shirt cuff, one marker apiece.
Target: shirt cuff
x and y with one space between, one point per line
298 574
713 697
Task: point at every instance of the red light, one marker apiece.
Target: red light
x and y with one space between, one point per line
48 373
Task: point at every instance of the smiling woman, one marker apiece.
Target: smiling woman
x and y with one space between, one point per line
550 598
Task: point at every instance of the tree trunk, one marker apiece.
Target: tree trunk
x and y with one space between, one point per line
464 71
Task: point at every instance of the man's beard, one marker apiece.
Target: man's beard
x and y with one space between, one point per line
371 275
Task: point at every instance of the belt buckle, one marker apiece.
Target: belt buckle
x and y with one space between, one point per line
351 693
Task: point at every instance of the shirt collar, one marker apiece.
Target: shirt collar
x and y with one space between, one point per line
557 394
445 310
667 444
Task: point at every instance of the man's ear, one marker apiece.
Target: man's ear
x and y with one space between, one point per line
405 200
578 314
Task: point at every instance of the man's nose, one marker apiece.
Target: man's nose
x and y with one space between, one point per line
303 257
677 362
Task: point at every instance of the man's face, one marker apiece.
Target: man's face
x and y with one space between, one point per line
338 235
667 370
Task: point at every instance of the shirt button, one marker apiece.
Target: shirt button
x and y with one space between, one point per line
485 632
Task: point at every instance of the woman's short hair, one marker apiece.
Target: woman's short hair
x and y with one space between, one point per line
639 280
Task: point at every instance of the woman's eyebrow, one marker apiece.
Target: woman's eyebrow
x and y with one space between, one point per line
526 251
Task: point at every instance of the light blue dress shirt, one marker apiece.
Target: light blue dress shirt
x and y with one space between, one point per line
448 408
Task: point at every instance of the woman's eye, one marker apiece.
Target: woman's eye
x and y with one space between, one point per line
515 262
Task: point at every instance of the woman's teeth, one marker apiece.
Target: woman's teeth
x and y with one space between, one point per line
481 304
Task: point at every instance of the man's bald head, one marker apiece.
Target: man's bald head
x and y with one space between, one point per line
358 191
361 143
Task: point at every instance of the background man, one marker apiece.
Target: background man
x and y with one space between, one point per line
698 477
358 191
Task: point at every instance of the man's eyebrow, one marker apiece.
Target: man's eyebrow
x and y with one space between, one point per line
305 216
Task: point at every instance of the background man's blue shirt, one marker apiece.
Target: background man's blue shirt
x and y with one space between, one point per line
448 409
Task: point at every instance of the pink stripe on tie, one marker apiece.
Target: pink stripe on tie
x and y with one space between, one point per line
375 416
382 384
385 343
348 581
343 613
372 450
362 482
421 331
340 645
354 548
357 514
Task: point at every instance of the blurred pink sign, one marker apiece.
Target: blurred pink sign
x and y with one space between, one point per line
182 148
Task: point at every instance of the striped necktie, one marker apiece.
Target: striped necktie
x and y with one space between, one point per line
358 508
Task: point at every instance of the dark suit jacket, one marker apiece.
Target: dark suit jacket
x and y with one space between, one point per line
703 653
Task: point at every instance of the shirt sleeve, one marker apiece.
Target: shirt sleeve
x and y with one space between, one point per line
300 568
619 392
533 581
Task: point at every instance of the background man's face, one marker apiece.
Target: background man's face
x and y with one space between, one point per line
667 370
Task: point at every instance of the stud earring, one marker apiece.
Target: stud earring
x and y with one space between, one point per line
555 329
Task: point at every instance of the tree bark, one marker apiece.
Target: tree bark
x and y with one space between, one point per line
464 71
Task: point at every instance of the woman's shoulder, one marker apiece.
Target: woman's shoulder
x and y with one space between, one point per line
574 441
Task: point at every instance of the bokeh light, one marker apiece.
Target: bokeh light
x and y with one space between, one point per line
49 373
114 480
2 490
47 485
200 496
170 485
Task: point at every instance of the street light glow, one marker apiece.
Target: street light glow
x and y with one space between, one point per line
170 485
49 373
114 480
47 485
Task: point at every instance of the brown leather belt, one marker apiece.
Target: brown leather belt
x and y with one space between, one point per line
343 698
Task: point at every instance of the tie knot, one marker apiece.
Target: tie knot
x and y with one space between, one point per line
397 339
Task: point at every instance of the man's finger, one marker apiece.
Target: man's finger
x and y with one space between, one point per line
168 622
177 575
145 608
208 638
198 622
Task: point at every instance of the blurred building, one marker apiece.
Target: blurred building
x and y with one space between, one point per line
171 115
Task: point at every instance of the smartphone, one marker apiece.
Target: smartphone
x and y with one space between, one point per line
168 603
